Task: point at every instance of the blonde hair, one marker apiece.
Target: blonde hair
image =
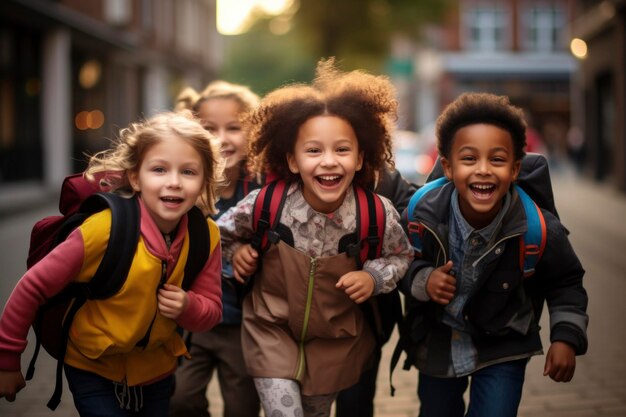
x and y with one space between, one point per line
111 168
190 99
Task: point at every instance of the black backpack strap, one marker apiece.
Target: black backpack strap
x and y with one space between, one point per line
199 246
112 271
54 401
267 208
370 220
118 257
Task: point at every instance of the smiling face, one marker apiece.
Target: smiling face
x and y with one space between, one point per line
482 166
169 181
220 116
326 156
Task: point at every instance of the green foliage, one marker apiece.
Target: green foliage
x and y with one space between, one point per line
357 32
264 61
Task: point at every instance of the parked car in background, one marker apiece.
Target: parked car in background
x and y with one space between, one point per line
414 154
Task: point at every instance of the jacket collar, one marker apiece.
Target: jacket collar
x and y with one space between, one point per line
434 209
153 239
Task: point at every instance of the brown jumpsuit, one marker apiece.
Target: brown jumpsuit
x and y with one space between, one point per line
297 325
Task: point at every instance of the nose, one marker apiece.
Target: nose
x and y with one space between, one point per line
221 135
173 180
482 167
328 159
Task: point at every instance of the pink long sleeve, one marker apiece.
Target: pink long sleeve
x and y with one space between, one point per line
204 309
44 280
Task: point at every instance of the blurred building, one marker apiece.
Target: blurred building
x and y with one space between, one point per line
73 72
518 48
600 136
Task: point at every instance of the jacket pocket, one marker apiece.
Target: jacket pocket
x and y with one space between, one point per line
498 302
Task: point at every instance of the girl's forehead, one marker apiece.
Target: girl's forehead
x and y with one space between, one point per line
325 126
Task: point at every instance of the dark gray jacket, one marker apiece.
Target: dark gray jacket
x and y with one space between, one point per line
501 292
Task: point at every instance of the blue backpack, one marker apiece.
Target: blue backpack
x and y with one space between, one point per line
534 187
532 243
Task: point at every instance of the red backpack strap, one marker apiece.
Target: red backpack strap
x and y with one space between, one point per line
370 213
266 211
533 242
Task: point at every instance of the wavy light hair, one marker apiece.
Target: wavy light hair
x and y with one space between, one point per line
190 99
111 168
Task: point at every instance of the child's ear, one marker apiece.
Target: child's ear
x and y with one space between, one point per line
447 168
359 163
293 166
133 180
517 166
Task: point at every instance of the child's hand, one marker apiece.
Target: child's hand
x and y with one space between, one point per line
11 382
358 285
172 301
245 262
441 286
560 362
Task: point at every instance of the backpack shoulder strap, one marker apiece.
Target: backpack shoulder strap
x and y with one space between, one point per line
533 242
266 212
120 251
370 220
416 229
111 273
200 245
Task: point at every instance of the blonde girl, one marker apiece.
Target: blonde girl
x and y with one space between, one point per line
170 163
219 108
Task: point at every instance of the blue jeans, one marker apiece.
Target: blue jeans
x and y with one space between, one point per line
95 396
495 391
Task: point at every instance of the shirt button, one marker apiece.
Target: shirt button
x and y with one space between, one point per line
498 251
505 286
474 242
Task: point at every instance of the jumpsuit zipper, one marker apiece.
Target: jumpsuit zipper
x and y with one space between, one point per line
307 313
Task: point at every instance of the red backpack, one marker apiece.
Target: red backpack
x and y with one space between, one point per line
382 311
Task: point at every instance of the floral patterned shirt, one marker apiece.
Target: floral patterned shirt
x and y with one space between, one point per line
318 234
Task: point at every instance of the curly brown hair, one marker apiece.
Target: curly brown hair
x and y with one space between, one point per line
477 108
366 102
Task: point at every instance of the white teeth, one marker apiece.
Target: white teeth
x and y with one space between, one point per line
329 177
482 186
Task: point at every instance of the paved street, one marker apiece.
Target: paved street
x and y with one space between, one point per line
594 215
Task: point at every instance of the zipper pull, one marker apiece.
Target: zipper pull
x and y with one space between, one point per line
163 274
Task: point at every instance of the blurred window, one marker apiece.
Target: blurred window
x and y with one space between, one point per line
485 28
20 100
543 28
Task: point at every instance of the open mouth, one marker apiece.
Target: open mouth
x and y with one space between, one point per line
329 180
172 200
226 154
482 191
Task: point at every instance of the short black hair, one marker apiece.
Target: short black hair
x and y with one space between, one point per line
477 108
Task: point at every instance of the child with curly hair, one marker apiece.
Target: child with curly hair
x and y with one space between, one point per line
476 312
304 335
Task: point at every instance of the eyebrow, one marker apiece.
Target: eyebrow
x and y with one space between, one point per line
472 148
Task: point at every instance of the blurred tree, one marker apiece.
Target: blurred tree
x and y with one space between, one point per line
264 61
360 31
357 32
